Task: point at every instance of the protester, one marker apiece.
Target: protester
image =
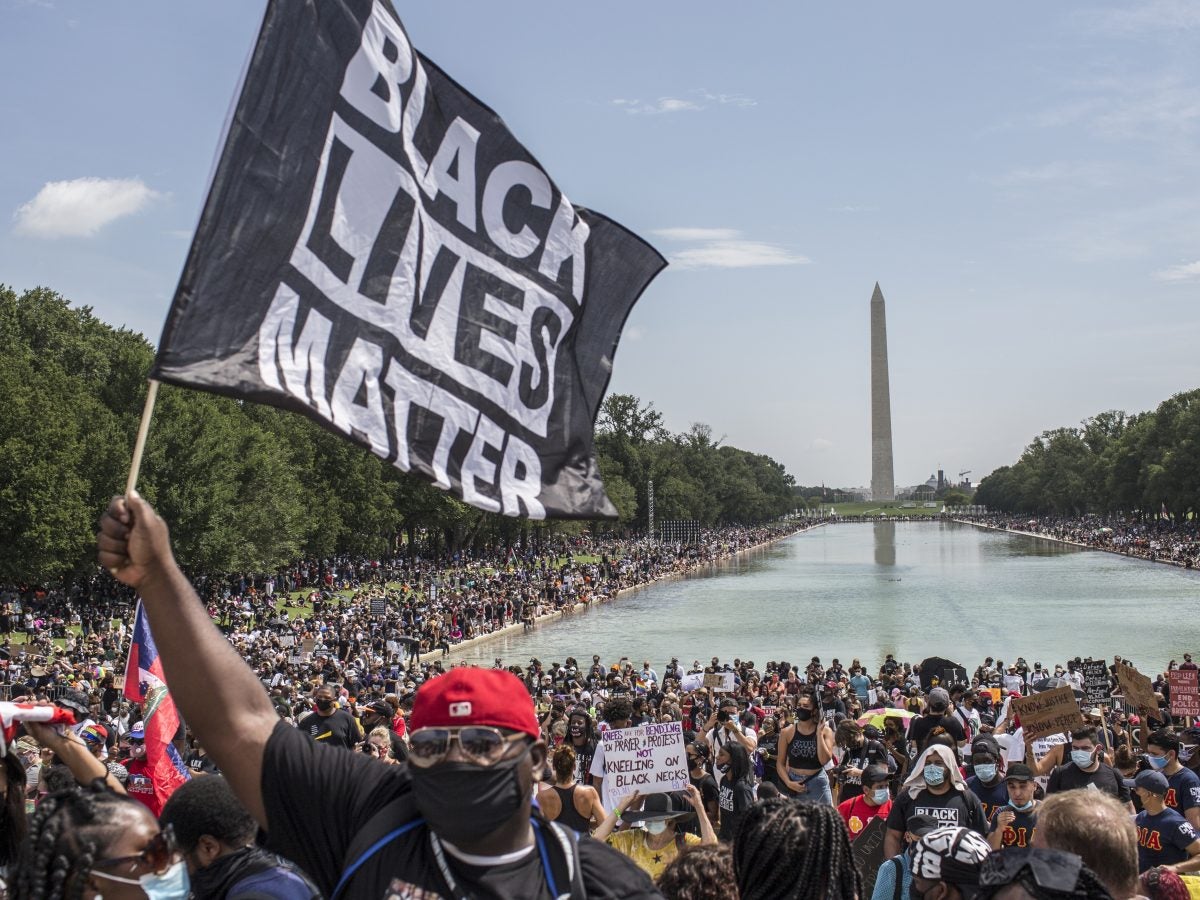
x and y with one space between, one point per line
987 781
328 722
216 836
1014 823
935 788
804 749
458 817
790 849
1098 829
1162 753
91 841
660 839
875 801
703 872
736 787
1087 769
1165 838
946 864
894 878
13 825
566 801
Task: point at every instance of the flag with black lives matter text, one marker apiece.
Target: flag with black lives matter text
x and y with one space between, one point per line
379 252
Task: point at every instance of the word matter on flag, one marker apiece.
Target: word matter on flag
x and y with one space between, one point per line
379 252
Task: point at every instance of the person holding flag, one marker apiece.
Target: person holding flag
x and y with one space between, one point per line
155 767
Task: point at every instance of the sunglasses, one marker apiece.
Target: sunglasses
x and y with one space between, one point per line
480 745
157 856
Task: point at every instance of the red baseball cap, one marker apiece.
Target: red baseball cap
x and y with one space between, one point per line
470 696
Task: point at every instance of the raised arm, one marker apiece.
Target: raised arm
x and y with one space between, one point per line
222 700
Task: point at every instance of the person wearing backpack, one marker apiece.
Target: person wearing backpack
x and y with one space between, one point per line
895 875
216 835
456 821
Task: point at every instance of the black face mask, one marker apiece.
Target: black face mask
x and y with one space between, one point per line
464 803
803 715
324 705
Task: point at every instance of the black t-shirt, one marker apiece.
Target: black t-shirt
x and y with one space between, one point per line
920 728
317 799
709 794
871 753
735 799
961 808
337 730
202 762
1070 777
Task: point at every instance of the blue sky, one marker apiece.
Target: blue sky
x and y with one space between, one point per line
1021 179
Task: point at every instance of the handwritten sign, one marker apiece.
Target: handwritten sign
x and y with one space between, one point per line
649 759
1185 692
1050 712
1138 691
1095 681
287 640
867 850
721 682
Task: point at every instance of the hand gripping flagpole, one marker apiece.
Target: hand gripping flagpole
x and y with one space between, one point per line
143 429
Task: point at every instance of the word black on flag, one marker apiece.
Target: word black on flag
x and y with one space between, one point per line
379 252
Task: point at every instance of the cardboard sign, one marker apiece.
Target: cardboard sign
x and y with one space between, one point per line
1185 692
1050 712
379 606
1095 681
1138 691
308 645
867 850
721 682
649 759
287 640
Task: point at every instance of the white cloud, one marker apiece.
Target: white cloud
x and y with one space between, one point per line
661 105
821 445
704 99
696 234
633 333
80 208
1149 16
1184 272
853 208
1087 174
724 248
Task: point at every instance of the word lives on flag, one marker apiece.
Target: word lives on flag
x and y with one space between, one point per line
146 684
380 253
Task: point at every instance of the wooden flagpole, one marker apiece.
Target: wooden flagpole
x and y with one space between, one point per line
143 429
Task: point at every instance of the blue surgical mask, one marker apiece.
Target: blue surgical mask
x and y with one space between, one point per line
880 796
1186 751
1156 762
172 884
985 771
1023 808
1082 758
934 775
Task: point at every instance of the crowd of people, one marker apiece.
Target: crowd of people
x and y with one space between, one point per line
454 781
1156 540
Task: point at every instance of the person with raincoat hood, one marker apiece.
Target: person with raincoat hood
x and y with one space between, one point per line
934 788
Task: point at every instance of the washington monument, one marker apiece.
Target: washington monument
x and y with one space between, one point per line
883 481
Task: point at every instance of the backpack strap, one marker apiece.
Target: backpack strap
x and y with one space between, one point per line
899 888
376 834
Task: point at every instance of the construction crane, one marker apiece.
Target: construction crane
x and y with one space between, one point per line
962 475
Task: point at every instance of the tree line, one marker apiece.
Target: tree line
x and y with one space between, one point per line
247 487
1141 465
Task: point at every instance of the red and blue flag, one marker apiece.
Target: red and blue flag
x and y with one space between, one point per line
146 684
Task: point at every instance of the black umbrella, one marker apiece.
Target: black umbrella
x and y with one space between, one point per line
932 668
1049 684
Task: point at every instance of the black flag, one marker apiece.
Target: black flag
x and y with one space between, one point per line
379 252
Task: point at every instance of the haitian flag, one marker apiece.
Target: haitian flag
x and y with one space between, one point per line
380 253
145 684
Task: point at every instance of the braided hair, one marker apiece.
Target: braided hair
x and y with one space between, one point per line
70 831
788 850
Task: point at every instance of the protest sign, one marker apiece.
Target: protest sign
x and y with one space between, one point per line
308 645
649 759
953 676
1050 712
296 658
691 682
379 606
721 682
1185 693
402 270
1095 681
867 850
1138 691
287 640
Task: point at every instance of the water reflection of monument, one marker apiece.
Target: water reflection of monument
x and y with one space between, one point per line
885 542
